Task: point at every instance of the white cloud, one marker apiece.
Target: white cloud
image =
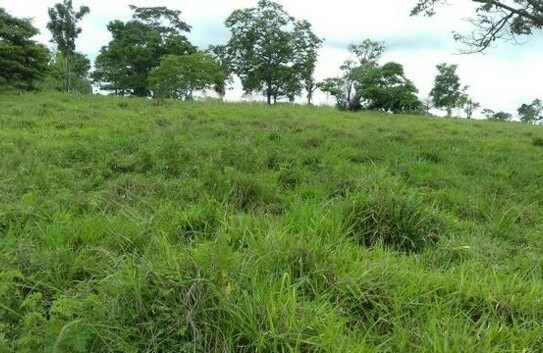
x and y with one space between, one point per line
502 79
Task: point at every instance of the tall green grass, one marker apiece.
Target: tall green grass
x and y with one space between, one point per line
205 227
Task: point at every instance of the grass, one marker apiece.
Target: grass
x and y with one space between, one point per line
202 227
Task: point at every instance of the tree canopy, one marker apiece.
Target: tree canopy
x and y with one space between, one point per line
123 65
271 51
22 60
531 113
64 29
179 76
494 19
446 93
80 67
364 83
386 88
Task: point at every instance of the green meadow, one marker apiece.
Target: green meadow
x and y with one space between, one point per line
207 227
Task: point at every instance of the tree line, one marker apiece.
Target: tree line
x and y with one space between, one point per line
271 52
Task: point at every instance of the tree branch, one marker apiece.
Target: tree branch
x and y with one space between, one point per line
520 12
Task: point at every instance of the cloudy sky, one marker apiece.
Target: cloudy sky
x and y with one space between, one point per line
501 79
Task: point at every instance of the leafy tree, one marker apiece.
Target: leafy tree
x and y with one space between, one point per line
271 51
446 92
179 76
488 113
495 19
22 60
470 106
531 113
501 116
219 53
333 87
427 105
123 65
63 27
56 77
386 88
364 57
307 44
467 102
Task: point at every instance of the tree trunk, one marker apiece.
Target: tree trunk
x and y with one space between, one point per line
69 66
269 93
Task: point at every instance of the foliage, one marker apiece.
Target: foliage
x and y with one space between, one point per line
488 113
366 84
123 66
446 92
22 60
219 53
386 88
180 76
467 103
64 30
501 116
56 77
495 19
271 52
364 57
531 113
202 227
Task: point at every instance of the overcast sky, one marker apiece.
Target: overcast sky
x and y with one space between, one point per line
501 79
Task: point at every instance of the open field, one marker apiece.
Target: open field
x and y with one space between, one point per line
202 227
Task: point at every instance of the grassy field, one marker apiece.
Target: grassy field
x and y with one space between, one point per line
203 227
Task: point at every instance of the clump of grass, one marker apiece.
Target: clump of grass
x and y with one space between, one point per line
537 141
431 157
397 220
251 195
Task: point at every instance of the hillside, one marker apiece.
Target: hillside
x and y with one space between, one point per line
203 227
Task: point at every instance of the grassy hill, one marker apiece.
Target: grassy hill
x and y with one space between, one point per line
126 227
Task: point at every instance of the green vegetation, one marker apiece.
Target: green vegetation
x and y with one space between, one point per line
123 66
272 52
22 60
204 227
70 68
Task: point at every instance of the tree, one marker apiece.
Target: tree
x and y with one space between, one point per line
363 58
467 102
501 116
123 65
333 87
22 60
386 88
80 67
427 105
531 113
488 113
307 44
446 92
219 53
495 19
63 27
179 76
271 51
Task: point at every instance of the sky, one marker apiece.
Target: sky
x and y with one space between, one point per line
502 78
